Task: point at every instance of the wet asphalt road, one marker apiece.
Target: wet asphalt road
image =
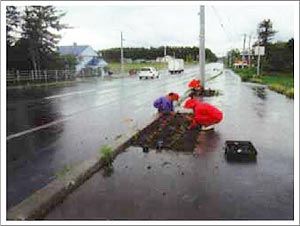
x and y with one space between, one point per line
203 185
54 127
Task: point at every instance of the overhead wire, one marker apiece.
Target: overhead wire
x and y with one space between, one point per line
227 33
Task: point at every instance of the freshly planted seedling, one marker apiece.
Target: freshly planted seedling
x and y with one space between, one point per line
106 153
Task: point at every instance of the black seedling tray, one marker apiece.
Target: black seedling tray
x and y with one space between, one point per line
240 150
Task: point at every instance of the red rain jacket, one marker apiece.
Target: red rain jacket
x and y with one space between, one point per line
204 114
195 83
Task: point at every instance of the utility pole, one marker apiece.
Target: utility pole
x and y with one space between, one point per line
122 56
258 61
230 60
249 42
244 42
202 45
249 52
243 53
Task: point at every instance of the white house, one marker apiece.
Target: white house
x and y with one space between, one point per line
86 56
164 59
240 64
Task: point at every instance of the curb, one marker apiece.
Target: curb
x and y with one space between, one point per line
36 206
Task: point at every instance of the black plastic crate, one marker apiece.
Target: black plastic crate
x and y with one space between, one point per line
240 150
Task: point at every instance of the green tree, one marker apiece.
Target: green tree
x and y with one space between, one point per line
13 21
69 61
210 56
37 32
18 57
232 56
187 53
281 57
265 32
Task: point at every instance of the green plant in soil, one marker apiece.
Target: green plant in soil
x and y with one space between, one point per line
106 154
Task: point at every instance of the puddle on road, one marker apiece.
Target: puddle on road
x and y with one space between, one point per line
260 92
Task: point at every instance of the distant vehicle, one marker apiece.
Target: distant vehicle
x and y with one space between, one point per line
176 66
148 72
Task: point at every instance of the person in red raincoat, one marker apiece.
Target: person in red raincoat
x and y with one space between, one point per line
195 86
195 83
205 114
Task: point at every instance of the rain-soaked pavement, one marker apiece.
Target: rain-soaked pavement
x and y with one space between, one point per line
54 127
203 185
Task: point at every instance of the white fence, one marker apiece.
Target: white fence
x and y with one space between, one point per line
44 76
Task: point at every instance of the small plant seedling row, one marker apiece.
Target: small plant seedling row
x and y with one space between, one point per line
168 132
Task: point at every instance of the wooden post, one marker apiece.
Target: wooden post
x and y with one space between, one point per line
32 75
18 75
56 75
45 73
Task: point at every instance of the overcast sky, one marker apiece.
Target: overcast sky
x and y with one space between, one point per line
145 26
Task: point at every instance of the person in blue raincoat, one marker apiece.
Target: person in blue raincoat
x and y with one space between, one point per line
164 104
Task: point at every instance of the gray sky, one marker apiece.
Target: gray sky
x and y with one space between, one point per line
145 26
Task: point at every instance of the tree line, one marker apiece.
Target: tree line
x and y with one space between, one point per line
189 54
278 56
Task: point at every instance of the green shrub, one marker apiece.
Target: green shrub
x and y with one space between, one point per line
290 93
246 78
256 80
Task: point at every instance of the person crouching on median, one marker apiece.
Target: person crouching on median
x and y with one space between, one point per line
195 86
164 104
205 115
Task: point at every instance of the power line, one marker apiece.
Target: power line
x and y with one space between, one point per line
227 34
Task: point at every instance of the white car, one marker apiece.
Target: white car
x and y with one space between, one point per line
148 72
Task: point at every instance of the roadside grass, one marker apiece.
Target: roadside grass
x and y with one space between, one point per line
116 67
279 82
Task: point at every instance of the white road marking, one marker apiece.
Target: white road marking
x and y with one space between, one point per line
35 129
68 117
69 94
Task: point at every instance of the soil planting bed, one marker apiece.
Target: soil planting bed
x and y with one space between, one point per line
168 132
205 93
